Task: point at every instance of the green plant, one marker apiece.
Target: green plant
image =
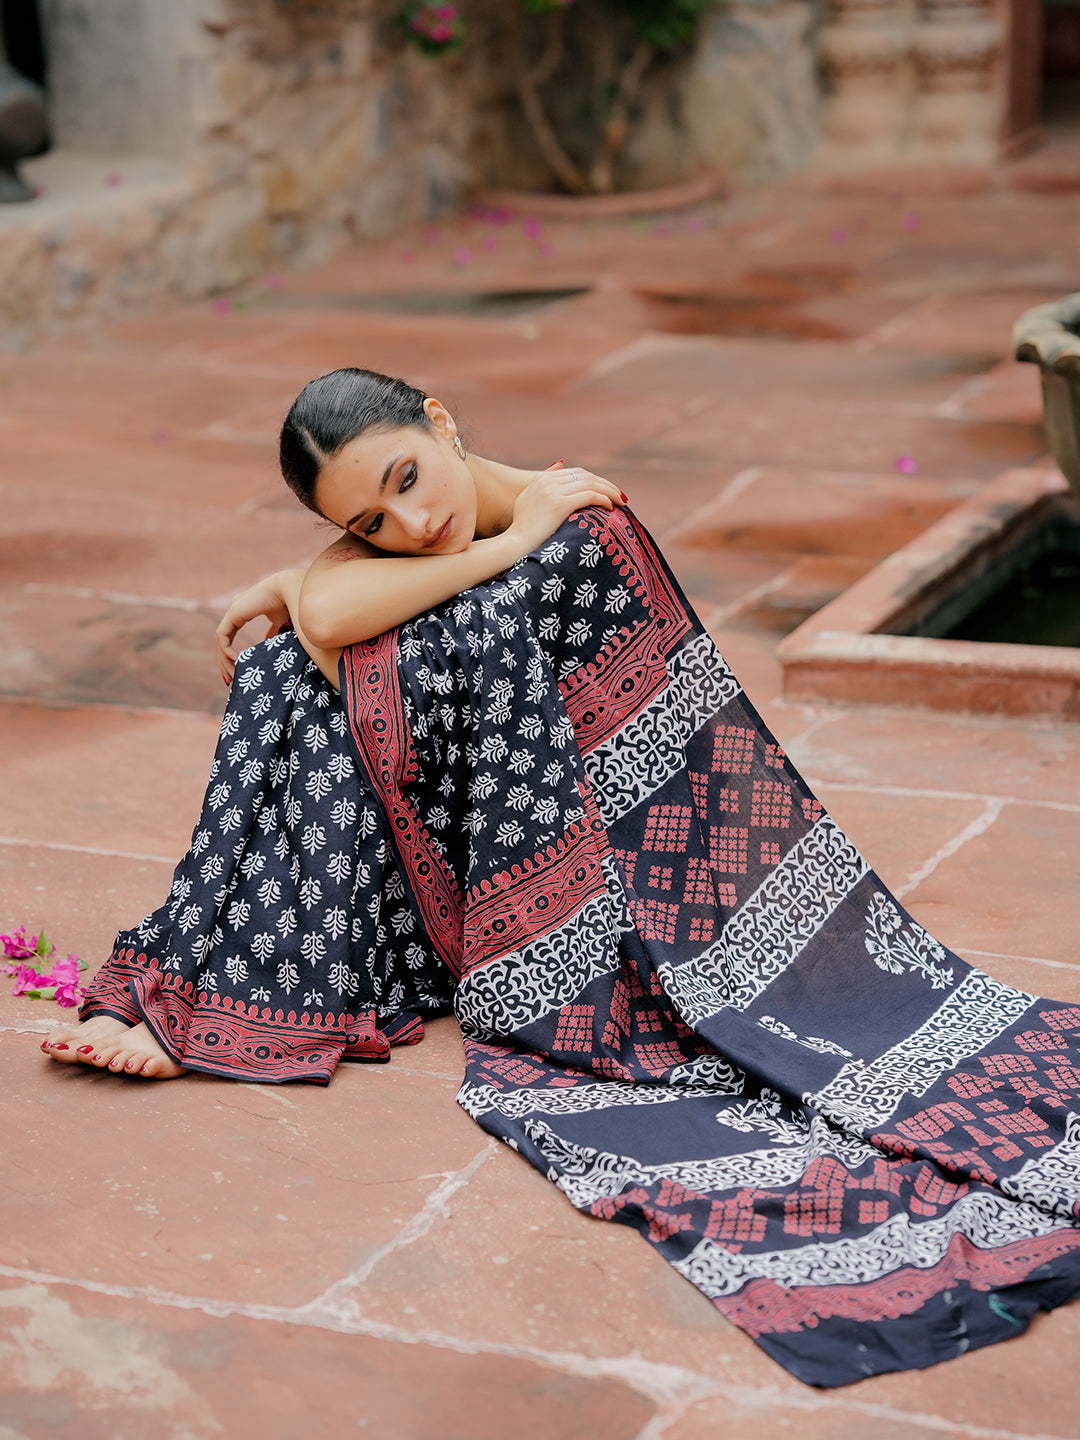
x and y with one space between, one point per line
630 35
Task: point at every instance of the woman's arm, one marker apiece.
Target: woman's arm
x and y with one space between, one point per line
342 604
278 598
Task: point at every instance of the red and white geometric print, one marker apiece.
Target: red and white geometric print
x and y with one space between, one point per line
727 848
660 877
727 800
770 852
699 886
656 920
701 928
574 1030
771 804
774 756
658 1056
733 749
667 827
699 787
627 859
812 810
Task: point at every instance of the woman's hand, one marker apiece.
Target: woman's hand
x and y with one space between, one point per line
552 497
266 597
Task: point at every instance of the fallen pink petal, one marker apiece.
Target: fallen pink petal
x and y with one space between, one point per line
905 465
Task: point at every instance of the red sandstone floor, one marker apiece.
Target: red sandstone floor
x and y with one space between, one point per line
205 1258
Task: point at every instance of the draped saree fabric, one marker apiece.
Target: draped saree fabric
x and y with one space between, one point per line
688 1000
685 996
286 943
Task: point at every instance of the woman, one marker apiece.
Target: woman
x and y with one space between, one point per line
685 996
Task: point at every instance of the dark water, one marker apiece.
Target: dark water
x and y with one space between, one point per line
1040 605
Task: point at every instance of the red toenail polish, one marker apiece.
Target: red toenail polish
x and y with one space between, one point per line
45 1045
61 1047
85 1050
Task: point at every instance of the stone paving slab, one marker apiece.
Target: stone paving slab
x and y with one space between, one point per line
408 1290
109 1366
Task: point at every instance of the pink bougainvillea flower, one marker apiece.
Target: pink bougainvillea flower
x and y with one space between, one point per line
31 952
840 236
18 947
532 227
463 255
65 972
910 222
905 465
27 978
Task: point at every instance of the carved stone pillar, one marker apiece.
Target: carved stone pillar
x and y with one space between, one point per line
865 49
955 45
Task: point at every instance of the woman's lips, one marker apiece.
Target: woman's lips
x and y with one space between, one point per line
440 536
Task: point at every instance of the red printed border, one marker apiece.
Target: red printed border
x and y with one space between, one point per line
765 1308
603 694
531 899
224 1036
377 720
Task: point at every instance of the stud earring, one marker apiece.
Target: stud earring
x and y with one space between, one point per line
459 447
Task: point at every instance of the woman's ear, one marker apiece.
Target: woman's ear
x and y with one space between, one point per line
440 417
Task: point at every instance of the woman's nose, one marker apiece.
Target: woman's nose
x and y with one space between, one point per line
414 522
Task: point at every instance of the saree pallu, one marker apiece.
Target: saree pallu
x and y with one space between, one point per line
687 999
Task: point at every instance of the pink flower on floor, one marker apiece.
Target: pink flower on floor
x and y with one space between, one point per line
59 984
65 976
905 465
27 978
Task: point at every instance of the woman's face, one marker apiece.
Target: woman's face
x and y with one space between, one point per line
403 490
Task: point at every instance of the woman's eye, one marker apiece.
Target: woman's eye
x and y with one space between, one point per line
409 479
374 527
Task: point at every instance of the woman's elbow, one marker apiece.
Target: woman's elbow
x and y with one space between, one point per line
325 626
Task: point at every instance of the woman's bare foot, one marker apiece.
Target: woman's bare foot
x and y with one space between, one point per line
76 1042
123 1049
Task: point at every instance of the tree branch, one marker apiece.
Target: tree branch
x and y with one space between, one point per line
529 83
601 173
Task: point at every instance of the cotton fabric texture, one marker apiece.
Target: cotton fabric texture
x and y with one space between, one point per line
686 998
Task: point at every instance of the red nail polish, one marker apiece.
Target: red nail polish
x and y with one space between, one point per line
624 496
84 1050
45 1046
61 1047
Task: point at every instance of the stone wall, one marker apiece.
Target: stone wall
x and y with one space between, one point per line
747 99
201 141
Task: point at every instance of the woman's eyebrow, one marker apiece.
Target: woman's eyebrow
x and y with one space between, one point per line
382 486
